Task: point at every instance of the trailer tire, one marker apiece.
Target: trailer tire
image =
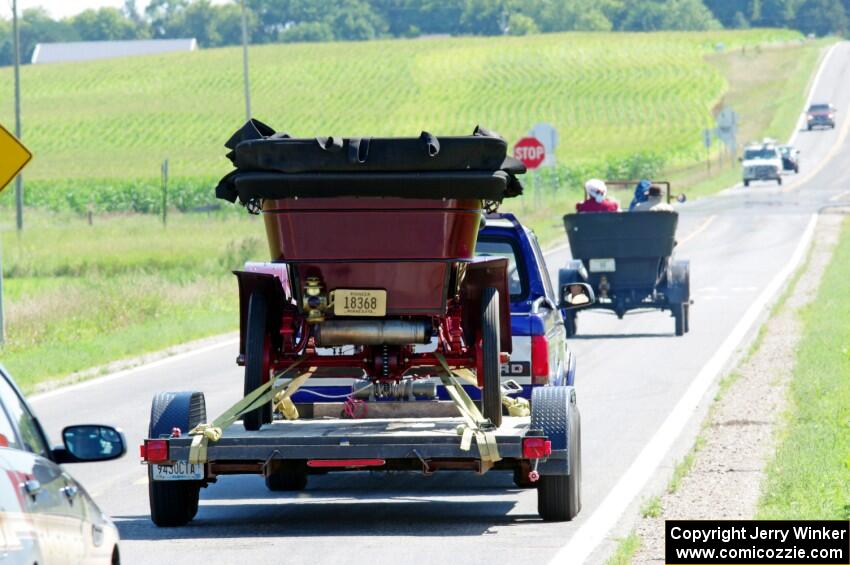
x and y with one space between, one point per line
288 477
256 360
492 394
174 503
559 496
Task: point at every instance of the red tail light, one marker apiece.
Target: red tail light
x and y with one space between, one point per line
539 360
154 450
536 448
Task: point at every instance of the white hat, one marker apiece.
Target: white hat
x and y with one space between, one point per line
596 189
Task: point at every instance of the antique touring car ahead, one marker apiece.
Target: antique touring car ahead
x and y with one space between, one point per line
372 244
628 260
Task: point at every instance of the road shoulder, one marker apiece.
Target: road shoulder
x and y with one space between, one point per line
722 476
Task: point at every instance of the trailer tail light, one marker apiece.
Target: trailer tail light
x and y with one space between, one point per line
539 360
536 448
154 450
348 463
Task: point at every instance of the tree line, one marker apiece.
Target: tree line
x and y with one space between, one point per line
271 21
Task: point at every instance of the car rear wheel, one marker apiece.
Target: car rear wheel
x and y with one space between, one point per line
492 394
746 182
256 360
779 180
680 314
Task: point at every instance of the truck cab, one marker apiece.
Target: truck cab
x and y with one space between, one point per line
540 352
762 161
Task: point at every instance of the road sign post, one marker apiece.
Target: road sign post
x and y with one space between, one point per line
13 157
706 141
16 53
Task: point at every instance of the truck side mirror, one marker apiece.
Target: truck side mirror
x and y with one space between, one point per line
577 295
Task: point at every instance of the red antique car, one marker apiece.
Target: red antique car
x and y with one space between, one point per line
372 265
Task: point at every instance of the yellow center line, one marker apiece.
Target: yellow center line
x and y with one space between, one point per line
702 227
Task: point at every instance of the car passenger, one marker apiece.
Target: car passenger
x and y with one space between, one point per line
653 202
597 198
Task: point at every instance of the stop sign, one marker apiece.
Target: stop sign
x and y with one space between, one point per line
530 151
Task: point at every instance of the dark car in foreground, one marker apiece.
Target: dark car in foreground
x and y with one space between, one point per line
45 515
820 115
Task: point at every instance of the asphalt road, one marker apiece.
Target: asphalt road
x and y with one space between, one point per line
631 375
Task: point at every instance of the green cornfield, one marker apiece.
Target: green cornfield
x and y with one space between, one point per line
610 96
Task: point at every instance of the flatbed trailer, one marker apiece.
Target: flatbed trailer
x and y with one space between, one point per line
543 450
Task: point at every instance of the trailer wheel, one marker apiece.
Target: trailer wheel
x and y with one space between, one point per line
490 350
559 496
257 345
290 476
174 503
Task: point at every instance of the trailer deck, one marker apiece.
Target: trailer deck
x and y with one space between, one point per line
418 439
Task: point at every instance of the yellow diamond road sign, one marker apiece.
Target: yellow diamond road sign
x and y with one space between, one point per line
13 157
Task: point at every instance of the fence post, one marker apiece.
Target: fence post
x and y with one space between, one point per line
164 192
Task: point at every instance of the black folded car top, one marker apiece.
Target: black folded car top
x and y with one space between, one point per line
274 165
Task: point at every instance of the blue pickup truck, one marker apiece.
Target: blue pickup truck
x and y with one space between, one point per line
540 352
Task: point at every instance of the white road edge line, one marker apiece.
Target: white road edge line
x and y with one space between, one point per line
128 372
593 532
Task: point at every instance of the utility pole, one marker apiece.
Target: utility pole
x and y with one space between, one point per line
19 180
245 62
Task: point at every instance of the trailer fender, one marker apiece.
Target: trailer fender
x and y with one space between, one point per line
272 285
554 411
183 410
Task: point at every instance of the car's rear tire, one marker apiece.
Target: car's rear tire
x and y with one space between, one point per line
559 496
256 360
779 181
290 476
492 393
687 313
746 182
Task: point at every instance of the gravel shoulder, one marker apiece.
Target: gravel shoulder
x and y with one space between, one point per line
739 433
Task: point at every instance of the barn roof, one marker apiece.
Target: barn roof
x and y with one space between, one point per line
92 50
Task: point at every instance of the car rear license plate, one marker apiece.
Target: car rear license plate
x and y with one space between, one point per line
179 471
355 302
603 265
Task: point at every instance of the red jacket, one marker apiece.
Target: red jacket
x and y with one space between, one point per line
591 205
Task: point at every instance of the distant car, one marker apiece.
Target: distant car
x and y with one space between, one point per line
820 115
790 158
761 161
45 515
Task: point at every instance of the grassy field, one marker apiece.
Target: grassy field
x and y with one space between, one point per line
810 475
79 296
609 95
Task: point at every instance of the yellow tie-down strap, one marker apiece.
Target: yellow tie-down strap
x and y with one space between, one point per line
206 432
515 406
476 425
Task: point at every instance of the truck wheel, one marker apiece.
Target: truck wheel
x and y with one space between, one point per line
746 182
290 476
571 323
687 317
256 360
559 496
779 181
174 503
492 394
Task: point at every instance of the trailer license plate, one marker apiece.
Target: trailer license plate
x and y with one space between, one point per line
180 471
350 302
603 265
